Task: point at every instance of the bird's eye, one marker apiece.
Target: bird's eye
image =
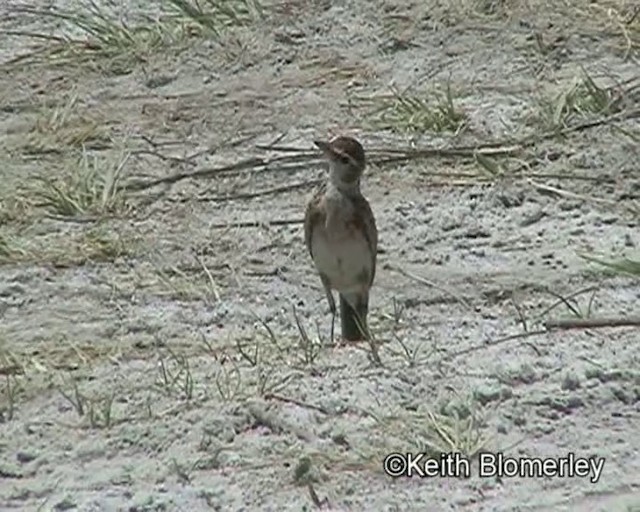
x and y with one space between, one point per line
343 159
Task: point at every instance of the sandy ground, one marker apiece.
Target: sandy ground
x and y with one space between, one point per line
150 360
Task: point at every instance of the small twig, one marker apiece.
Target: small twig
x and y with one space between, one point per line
164 158
574 308
255 223
493 343
564 300
489 149
521 317
315 498
591 323
383 155
259 193
247 163
210 278
564 193
282 149
619 116
154 144
273 143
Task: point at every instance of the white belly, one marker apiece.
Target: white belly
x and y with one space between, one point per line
345 260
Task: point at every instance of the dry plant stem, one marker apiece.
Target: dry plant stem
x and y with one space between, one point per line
591 323
260 193
386 155
564 193
256 224
280 398
253 163
564 300
315 498
493 343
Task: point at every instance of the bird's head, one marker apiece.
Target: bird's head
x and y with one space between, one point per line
346 161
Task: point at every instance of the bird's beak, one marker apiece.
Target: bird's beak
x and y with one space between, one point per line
325 147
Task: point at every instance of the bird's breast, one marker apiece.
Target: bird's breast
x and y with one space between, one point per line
341 252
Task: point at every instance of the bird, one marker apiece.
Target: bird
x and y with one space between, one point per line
342 237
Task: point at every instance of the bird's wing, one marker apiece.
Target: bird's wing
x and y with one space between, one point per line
365 220
314 215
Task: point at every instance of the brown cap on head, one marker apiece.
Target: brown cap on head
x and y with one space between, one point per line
345 147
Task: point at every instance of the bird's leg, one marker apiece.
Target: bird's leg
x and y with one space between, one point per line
353 310
332 303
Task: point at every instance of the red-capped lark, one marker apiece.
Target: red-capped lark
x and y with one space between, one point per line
342 238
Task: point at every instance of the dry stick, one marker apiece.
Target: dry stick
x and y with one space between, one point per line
488 149
491 343
260 193
314 496
555 176
201 173
392 155
243 165
306 156
255 223
564 193
287 400
500 147
564 300
620 116
591 323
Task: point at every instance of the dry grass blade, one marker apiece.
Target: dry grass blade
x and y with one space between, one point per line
626 266
402 112
94 187
11 250
457 427
454 434
216 15
582 99
65 126
99 30
622 16
591 323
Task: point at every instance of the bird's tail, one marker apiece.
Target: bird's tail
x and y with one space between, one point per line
353 320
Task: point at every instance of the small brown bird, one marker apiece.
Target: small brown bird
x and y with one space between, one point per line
342 238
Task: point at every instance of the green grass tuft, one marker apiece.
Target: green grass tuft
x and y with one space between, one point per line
624 266
581 99
93 187
99 34
416 114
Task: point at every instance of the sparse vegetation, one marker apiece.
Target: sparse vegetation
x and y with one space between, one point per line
623 266
212 17
97 34
63 127
66 250
92 187
11 249
406 112
582 98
